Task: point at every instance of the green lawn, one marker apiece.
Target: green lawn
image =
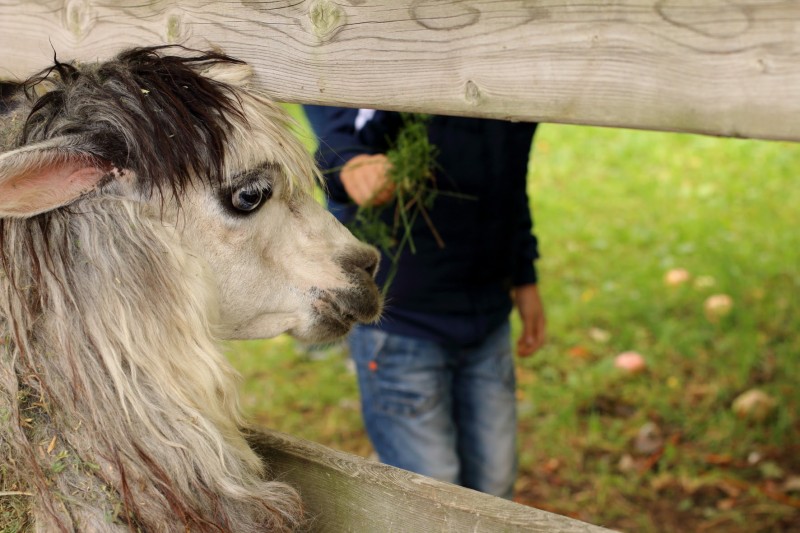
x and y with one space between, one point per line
614 211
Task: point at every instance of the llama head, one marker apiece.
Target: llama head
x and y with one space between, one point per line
214 166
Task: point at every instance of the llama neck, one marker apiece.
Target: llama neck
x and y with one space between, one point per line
127 311
119 323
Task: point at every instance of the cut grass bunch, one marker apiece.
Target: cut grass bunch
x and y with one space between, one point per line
412 159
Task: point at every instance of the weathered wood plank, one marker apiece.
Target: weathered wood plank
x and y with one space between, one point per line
347 493
721 67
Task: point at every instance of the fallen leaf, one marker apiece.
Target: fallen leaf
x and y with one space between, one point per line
769 490
626 463
719 459
770 470
754 404
792 484
578 352
726 504
599 335
649 439
717 306
753 458
52 445
551 465
732 489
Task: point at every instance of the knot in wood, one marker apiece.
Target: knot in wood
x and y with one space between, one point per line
78 17
327 19
472 94
175 30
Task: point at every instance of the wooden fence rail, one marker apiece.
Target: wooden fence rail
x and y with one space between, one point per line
722 67
345 493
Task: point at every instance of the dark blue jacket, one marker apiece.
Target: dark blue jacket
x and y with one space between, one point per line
459 292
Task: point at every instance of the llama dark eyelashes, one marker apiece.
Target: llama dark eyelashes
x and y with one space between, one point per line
250 191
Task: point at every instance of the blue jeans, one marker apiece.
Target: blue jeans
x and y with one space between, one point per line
444 412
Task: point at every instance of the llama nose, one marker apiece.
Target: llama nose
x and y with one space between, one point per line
365 258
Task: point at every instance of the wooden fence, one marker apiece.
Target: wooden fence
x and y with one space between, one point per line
345 493
721 67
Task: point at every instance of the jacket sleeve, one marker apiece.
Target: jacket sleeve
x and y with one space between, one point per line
335 128
526 245
345 133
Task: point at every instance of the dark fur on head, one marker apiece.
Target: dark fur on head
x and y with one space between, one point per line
144 111
7 90
150 113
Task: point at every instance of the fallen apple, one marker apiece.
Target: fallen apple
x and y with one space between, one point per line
631 362
676 276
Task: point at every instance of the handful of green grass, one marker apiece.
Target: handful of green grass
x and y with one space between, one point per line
412 159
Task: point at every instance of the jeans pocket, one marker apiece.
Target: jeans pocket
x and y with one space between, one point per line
398 375
507 368
496 357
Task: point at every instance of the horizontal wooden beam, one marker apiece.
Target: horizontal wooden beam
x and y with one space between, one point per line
343 492
720 67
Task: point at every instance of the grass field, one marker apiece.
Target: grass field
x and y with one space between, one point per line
661 450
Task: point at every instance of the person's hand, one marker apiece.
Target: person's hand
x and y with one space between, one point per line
365 180
534 325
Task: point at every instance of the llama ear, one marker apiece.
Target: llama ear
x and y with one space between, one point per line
41 177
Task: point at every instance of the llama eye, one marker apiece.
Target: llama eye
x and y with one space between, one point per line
250 198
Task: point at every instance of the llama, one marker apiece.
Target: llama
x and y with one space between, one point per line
150 206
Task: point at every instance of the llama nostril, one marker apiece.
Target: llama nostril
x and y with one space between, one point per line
368 261
364 259
373 259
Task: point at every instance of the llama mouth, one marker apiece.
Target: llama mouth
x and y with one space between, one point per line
338 310
357 304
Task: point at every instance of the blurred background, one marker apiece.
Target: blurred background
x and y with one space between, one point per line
667 396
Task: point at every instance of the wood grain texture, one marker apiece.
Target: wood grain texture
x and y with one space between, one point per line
345 493
722 67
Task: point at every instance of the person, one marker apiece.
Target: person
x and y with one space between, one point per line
436 373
